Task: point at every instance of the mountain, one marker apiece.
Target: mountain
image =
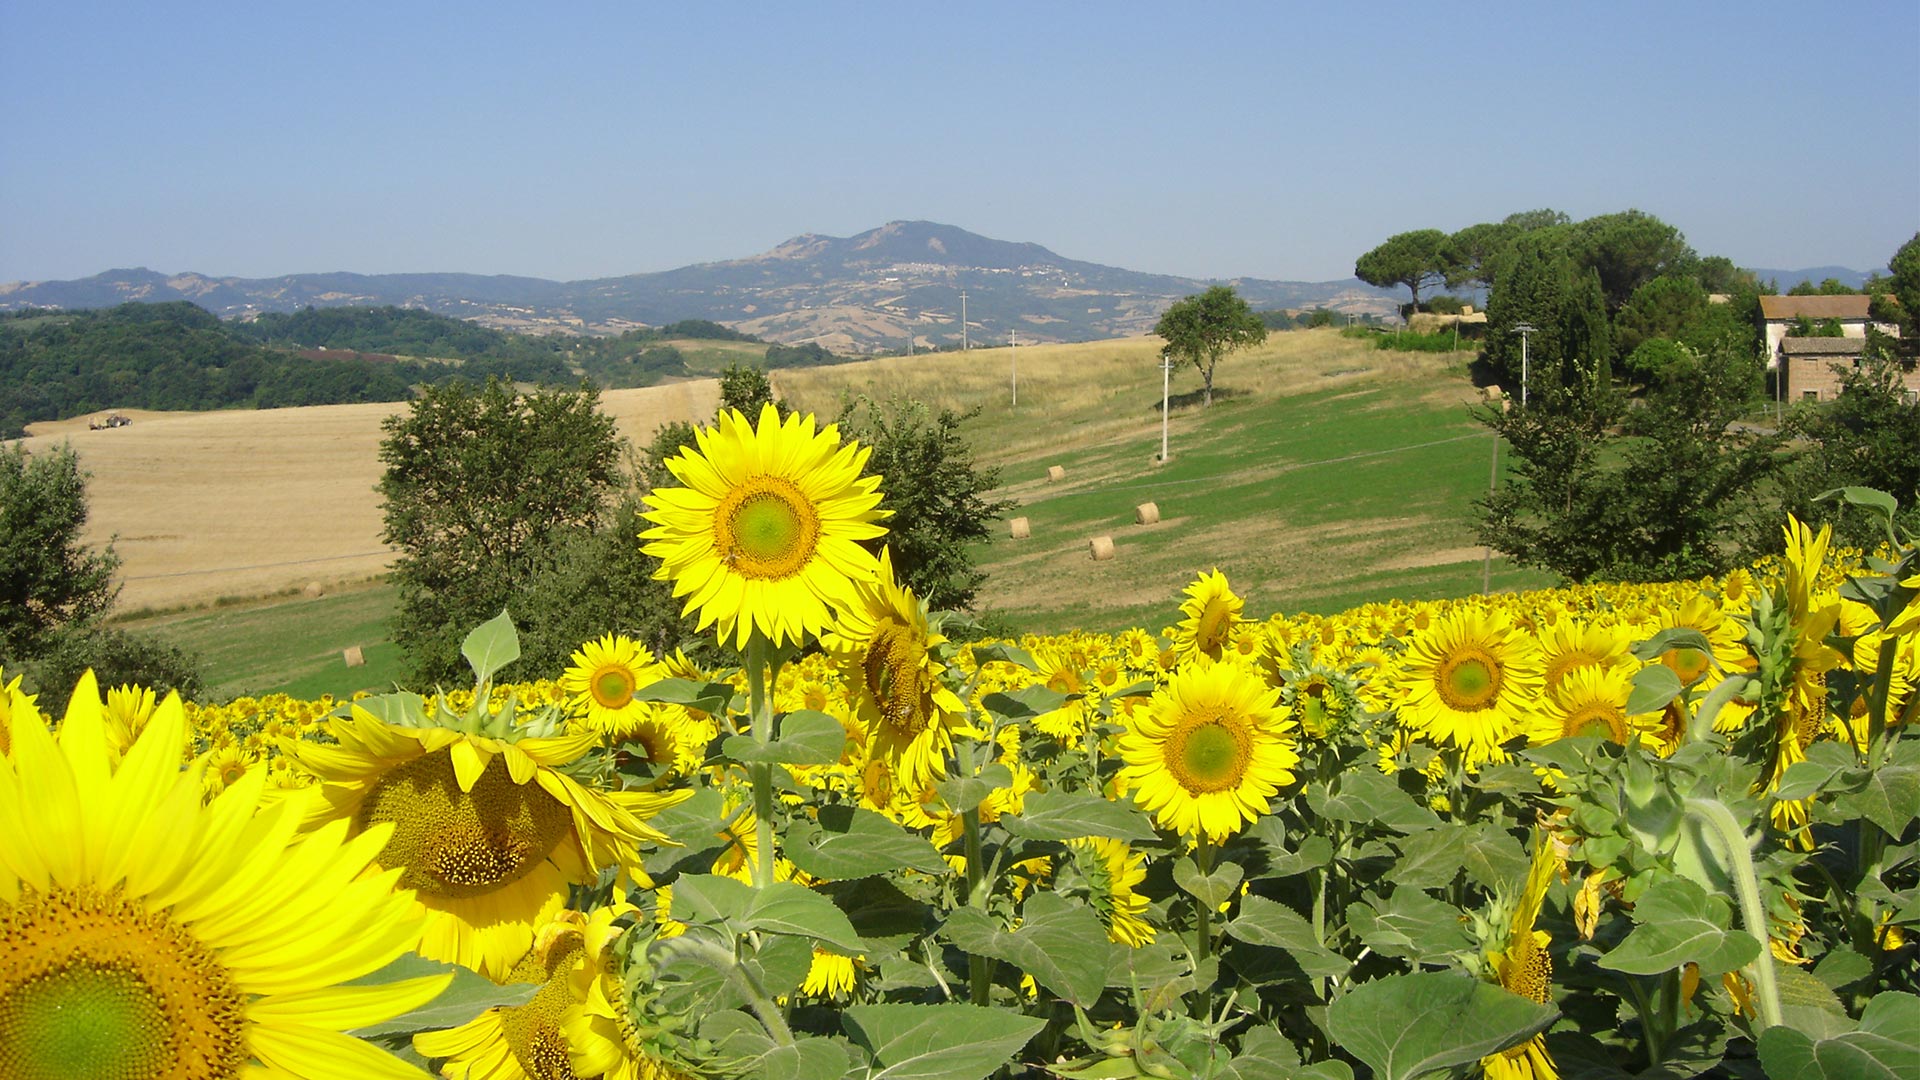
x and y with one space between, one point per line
1787 279
864 293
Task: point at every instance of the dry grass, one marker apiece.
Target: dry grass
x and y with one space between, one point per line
243 503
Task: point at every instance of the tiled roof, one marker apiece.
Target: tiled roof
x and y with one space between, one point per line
1814 307
1823 346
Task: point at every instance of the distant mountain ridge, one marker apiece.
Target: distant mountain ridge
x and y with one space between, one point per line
864 293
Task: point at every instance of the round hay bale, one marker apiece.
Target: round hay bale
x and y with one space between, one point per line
1102 547
1055 474
312 588
1494 393
1146 513
1019 528
353 656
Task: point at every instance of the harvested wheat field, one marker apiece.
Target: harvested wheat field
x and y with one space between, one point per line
248 503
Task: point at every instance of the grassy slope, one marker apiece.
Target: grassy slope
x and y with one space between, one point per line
1326 474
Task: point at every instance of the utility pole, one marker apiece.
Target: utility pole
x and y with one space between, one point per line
1013 354
963 320
1166 386
1525 329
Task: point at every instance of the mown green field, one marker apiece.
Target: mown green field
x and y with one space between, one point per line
1326 474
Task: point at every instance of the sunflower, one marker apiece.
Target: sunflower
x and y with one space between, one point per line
522 1042
128 709
887 652
1569 644
1592 700
1523 967
764 536
1210 752
601 683
1113 869
489 832
146 934
830 975
1211 611
612 1029
1470 679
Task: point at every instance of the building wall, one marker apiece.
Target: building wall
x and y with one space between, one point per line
1816 375
1853 328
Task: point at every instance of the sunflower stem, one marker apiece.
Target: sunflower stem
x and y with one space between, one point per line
979 968
1753 913
1203 928
761 771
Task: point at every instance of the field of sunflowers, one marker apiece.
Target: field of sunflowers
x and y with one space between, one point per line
1603 831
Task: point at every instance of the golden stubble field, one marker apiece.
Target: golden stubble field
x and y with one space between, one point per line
247 503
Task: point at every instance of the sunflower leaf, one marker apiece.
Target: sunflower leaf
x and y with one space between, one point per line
1407 1026
1681 923
1275 925
491 646
1005 653
782 907
850 842
1367 797
805 738
1024 703
951 1041
1211 889
1884 1047
1064 815
464 998
1673 637
1654 686
1061 943
708 697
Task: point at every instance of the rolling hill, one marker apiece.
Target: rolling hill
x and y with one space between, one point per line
859 294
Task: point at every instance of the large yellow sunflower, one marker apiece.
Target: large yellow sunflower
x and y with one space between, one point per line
1210 752
1211 611
764 536
488 832
523 1042
1592 700
886 649
601 682
1113 869
1470 680
145 935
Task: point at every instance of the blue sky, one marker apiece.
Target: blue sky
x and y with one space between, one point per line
1216 140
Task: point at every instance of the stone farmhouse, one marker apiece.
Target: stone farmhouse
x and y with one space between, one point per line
1811 365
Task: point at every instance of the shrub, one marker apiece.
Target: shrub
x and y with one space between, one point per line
117 657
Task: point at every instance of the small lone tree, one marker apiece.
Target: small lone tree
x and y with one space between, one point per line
48 578
1202 329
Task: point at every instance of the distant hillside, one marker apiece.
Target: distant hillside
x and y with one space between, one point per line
867 293
1787 279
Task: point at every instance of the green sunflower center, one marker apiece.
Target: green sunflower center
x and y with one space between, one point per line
92 987
1689 664
1599 718
463 844
613 687
767 528
1469 680
1209 753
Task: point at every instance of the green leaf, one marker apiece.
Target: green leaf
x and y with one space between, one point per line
1000 650
1804 779
1063 815
1653 687
1364 796
465 998
806 1058
1673 637
1024 703
1211 889
1807 1005
850 842
1886 1046
805 737
938 1042
1061 943
1888 796
1264 922
708 697
1407 1026
966 792
782 907
403 709
491 646
1680 923
1872 498
1409 924
1431 859
710 898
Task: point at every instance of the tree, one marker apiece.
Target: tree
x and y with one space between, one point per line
1473 250
1662 308
1628 250
1868 436
938 496
1415 259
49 579
480 487
747 388
1905 287
1202 329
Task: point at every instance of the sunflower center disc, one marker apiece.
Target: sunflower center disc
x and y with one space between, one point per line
1469 682
766 529
1602 720
1689 664
1210 756
893 677
94 988
612 688
463 844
